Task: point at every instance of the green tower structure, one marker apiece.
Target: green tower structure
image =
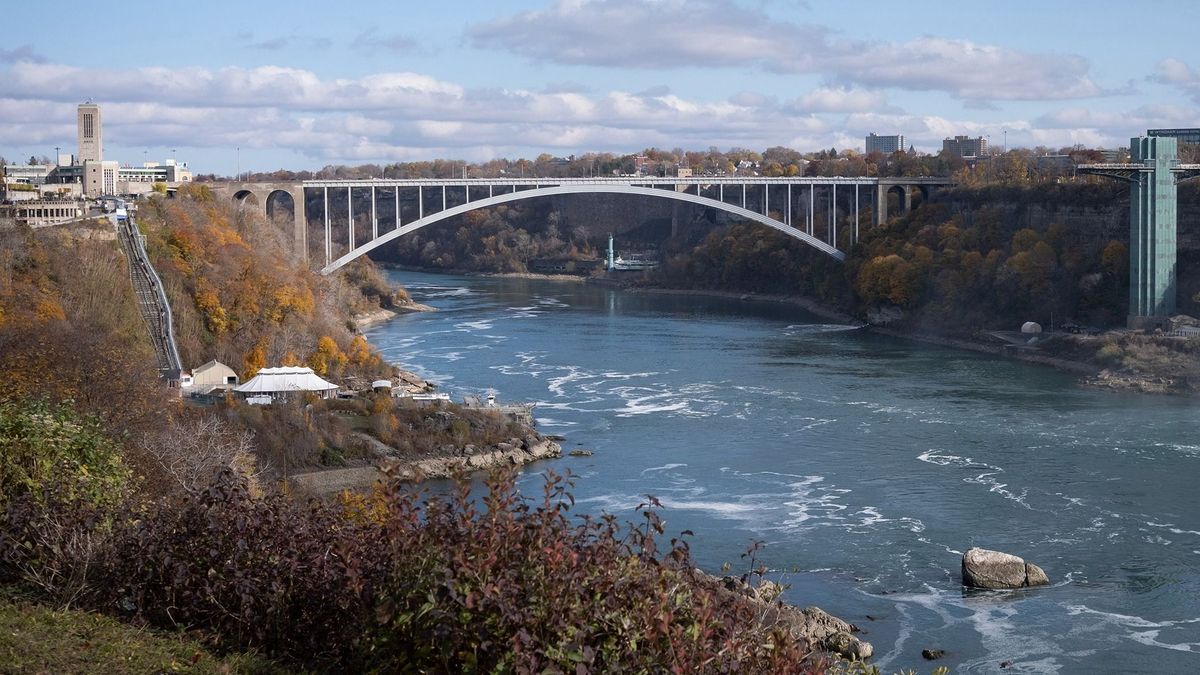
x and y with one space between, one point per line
1153 172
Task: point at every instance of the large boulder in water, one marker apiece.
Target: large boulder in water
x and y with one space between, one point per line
982 568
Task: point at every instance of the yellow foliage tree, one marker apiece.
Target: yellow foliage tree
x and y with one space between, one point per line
255 360
328 357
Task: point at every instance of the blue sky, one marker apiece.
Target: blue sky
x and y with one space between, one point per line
300 85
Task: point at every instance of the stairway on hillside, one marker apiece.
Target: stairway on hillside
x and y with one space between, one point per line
152 301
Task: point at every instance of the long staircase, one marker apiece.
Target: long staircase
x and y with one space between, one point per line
152 300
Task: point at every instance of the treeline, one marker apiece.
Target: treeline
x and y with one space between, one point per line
751 258
504 238
774 161
952 271
971 271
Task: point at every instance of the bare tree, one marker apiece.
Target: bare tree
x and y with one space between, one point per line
192 449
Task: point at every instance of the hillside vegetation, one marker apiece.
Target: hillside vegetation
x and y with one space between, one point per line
118 500
240 297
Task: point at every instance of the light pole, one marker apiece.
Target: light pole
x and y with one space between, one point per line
239 163
56 155
1006 141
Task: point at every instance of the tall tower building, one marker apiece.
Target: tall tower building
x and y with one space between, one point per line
91 140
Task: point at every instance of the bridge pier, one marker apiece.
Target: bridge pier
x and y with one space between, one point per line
881 200
257 196
1152 225
1153 173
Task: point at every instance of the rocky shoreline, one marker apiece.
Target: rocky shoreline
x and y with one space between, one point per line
378 316
514 452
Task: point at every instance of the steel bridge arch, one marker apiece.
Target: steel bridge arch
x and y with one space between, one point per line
590 188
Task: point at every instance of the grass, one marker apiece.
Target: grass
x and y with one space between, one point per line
35 638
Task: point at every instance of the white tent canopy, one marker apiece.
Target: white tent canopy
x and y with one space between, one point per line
284 380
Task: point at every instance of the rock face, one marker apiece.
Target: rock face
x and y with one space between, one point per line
811 624
982 568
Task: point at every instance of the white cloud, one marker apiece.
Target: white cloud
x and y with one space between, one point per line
1177 73
841 99
656 34
391 116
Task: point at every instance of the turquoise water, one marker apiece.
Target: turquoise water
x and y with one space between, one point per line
865 465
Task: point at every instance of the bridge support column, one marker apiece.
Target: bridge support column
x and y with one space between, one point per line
880 205
1152 223
299 222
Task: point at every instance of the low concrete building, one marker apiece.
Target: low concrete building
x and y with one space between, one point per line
100 177
43 212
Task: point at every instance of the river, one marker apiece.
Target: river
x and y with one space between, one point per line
864 464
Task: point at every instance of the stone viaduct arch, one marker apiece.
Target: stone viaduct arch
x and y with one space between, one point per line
260 198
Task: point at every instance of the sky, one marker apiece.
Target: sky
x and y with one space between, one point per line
260 86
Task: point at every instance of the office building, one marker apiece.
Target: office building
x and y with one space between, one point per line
1183 135
965 146
885 144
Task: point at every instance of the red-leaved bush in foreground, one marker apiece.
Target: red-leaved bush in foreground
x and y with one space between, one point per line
401 581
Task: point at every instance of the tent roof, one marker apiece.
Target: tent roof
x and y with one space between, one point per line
285 378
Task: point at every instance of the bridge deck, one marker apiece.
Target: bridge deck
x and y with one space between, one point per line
626 180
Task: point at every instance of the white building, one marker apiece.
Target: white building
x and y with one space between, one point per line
26 174
138 180
286 381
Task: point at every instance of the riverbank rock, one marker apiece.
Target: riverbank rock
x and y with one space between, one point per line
932 654
812 624
982 568
580 452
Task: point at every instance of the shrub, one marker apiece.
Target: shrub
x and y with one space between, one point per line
402 582
267 573
1109 352
506 586
39 441
54 540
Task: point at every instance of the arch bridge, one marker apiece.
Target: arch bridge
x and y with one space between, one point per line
809 209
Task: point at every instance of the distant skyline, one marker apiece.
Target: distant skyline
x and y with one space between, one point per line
300 85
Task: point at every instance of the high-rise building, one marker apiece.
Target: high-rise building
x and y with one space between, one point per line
91 139
965 146
885 144
1183 135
